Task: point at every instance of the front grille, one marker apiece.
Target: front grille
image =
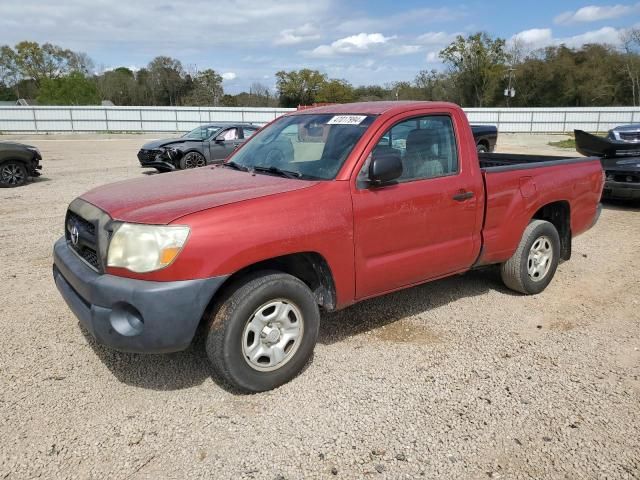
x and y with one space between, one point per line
624 177
90 256
147 156
630 136
87 225
81 235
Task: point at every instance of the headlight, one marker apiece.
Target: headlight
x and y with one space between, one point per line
145 248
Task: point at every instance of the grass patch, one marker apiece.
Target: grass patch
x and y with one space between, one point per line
568 143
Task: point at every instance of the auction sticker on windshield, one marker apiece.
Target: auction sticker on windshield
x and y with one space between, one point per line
346 120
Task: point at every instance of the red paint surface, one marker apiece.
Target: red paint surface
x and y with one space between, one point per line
374 240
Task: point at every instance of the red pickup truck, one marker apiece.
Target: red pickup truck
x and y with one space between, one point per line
322 208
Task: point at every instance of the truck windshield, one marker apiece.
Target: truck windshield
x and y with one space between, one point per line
307 146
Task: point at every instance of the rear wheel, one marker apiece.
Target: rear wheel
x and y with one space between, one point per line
12 174
263 332
482 148
192 160
534 263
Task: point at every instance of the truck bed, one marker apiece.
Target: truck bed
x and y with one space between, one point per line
512 161
516 185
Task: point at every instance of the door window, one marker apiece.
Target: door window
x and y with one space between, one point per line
248 131
427 147
231 134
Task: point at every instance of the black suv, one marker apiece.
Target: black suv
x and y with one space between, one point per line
18 162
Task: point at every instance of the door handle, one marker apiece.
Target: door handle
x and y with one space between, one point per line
462 196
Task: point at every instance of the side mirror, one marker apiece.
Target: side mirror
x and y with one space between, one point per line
220 138
384 168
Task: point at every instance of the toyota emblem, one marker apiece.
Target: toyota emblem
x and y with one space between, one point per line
75 234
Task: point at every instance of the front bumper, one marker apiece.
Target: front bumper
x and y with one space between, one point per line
132 315
621 190
154 159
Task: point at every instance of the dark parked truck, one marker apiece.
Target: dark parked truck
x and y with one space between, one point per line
322 208
620 158
485 136
18 162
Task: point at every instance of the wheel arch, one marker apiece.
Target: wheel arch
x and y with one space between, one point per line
559 214
484 142
309 267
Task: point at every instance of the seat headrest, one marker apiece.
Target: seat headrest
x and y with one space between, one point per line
421 137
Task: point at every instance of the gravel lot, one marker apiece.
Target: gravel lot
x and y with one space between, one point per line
460 378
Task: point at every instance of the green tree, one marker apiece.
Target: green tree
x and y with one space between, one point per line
476 64
73 89
206 89
335 91
299 87
166 80
118 85
30 60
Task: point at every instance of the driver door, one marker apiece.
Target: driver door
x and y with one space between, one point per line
223 144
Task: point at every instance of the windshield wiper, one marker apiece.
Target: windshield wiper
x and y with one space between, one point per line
235 166
278 171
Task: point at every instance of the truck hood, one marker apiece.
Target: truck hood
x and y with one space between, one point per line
163 198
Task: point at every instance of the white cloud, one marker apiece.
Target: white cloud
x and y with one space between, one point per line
354 44
543 37
229 76
400 20
114 26
535 37
594 13
437 38
433 57
294 36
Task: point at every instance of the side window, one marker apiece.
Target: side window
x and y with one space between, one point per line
248 132
427 146
231 134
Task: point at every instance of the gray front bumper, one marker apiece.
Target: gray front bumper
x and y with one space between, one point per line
132 315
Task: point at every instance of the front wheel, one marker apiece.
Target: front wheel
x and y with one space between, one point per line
534 263
263 332
192 160
12 174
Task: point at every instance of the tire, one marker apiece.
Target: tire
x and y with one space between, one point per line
530 270
192 160
482 148
251 337
13 174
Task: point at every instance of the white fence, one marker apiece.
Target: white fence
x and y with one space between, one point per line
18 119
125 119
554 120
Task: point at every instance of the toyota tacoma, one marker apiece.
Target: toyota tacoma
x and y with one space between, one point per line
317 211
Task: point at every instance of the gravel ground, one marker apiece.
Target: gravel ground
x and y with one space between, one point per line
460 378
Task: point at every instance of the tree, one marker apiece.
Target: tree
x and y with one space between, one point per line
335 91
631 45
30 60
73 89
166 80
205 90
476 64
434 85
299 87
118 85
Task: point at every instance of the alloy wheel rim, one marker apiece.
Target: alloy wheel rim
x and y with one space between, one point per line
12 174
540 258
193 160
272 335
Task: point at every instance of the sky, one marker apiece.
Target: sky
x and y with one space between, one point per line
247 41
